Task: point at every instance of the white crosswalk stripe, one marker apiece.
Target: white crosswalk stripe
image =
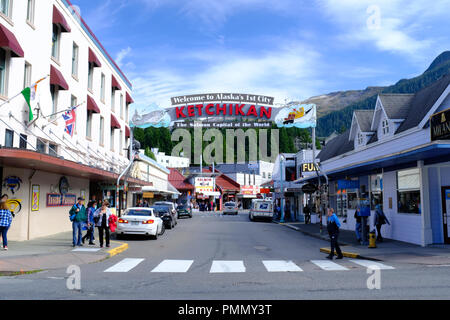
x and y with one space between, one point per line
281 266
328 265
222 266
86 249
368 264
125 265
173 266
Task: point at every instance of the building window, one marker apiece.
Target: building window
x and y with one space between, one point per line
53 150
27 75
9 138
376 191
352 198
56 35
264 175
41 146
54 94
385 126
89 124
127 109
102 88
408 191
101 135
4 7
113 99
2 72
90 76
120 142
23 141
360 139
75 51
112 139
121 106
30 11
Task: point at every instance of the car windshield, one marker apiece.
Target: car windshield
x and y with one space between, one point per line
182 206
230 204
137 212
161 209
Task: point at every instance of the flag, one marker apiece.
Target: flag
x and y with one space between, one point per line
32 98
70 119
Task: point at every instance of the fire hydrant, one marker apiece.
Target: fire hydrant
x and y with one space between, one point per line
372 239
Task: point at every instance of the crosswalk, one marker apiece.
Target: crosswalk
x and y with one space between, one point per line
239 266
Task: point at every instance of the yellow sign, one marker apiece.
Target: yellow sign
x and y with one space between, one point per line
309 167
148 195
35 198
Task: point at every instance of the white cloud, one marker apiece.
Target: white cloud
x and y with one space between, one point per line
122 55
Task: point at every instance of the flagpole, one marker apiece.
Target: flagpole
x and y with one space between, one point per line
9 100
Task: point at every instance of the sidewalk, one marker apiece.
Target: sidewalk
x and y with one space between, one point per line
391 250
53 252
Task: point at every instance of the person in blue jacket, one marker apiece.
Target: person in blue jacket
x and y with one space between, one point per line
333 225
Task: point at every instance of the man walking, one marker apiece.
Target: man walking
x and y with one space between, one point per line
358 224
333 225
380 219
78 216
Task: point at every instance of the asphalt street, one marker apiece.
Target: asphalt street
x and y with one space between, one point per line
212 256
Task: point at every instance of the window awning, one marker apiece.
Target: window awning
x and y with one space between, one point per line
115 84
128 98
91 105
57 79
114 123
9 42
93 59
59 19
127 132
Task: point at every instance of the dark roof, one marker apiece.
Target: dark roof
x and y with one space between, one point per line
396 105
364 119
422 103
336 146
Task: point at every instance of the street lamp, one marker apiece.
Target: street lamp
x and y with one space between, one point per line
281 188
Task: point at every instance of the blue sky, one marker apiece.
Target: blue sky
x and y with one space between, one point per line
288 49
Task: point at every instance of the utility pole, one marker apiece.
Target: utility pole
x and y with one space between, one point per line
281 189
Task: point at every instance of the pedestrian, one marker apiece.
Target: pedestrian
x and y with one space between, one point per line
333 225
5 222
103 214
92 206
358 224
287 211
78 216
307 213
380 219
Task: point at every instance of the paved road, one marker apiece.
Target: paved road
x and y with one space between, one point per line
228 257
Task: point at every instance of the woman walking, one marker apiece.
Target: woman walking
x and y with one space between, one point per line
380 219
5 222
92 207
103 214
333 225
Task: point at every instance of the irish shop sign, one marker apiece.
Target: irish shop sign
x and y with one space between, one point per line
60 200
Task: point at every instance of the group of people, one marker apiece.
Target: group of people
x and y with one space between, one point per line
6 217
95 215
379 220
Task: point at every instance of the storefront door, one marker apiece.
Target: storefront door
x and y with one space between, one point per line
446 213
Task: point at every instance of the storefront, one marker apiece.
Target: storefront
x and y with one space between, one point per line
394 157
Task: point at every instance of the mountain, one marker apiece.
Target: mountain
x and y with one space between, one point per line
336 101
341 119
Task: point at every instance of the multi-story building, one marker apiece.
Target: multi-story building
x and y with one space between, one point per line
170 161
43 167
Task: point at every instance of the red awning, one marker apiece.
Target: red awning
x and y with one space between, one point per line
91 105
57 79
127 132
93 59
9 42
114 123
59 19
128 98
115 84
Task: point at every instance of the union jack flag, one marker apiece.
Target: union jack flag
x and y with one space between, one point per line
70 119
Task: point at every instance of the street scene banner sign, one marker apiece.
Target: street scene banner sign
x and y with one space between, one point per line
440 125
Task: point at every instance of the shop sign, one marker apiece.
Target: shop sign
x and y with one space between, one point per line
148 195
250 190
35 198
440 126
264 190
309 167
204 184
61 200
348 184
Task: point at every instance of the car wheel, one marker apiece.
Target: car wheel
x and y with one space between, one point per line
190 216
169 226
155 237
250 217
163 228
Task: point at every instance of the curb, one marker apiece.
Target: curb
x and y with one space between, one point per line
119 249
344 253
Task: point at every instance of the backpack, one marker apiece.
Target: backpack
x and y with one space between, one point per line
72 216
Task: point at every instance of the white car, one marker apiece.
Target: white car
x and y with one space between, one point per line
142 221
261 209
230 208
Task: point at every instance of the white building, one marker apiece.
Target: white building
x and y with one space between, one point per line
47 38
170 161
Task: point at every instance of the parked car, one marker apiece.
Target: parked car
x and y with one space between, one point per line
230 208
142 221
167 215
261 209
184 210
171 205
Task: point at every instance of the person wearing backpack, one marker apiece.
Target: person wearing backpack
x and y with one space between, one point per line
380 219
78 217
333 225
358 224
